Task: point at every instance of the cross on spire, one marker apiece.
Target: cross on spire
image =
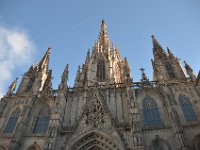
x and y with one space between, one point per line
144 77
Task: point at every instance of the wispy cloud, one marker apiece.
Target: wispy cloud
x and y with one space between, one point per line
16 49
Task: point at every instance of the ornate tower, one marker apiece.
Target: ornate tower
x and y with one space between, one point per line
105 65
35 78
166 66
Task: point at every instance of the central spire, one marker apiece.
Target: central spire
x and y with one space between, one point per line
103 40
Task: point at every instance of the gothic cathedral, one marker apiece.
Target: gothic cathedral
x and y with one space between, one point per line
105 109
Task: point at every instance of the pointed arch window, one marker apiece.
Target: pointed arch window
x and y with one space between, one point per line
101 71
187 108
151 113
42 121
12 122
170 70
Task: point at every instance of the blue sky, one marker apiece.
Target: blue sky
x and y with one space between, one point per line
71 27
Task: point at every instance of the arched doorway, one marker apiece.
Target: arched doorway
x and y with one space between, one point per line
95 141
159 144
35 146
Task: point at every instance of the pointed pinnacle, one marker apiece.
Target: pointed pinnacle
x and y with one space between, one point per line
65 75
156 44
87 57
158 51
187 67
65 72
169 52
79 68
44 63
126 62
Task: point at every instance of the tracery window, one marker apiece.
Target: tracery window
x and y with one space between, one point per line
95 112
12 122
170 71
187 108
151 113
101 74
42 121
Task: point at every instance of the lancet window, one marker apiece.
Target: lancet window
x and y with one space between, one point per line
12 122
101 72
187 108
151 112
42 121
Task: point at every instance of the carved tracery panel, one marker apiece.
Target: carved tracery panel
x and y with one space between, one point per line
95 112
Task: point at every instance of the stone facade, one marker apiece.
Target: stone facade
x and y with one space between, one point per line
105 110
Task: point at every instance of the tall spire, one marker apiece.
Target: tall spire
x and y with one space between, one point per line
103 37
158 51
43 66
44 63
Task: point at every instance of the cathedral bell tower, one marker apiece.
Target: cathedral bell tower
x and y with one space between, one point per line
165 65
104 65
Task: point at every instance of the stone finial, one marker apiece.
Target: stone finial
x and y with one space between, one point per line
64 77
144 77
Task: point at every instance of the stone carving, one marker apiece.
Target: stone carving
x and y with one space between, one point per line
95 112
94 141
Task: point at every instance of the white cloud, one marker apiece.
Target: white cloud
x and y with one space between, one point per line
16 49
